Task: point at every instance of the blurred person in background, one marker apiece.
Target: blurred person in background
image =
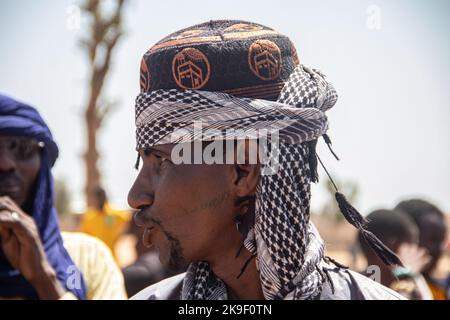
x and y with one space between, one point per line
401 235
104 222
33 261
37 260
103 277
432 236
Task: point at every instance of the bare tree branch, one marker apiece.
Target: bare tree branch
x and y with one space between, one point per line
104 34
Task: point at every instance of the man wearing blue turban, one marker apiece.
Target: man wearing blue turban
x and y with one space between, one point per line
33 261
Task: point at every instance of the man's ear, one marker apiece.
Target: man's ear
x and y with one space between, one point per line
246 179
246 175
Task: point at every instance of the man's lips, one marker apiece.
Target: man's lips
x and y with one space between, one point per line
143 219
10 190
10 184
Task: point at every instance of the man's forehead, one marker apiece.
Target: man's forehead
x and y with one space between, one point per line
163 148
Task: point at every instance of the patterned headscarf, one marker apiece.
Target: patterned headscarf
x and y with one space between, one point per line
288 249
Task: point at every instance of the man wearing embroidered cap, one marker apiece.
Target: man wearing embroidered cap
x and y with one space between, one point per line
242 232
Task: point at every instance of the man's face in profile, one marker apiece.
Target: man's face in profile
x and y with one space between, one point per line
186 210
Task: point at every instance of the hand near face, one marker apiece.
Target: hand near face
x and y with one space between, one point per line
413 257
22 246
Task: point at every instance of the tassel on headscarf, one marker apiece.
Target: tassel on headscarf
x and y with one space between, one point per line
312 159
328 142
313 156
357 220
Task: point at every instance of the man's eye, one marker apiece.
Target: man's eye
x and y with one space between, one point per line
26 151
163 160
160 158
13 145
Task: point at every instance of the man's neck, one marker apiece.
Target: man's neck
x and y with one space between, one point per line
227 268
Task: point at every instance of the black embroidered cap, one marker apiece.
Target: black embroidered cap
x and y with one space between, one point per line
236 57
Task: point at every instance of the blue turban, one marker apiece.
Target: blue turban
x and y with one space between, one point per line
19 119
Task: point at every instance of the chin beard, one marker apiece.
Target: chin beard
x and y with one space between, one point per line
177 262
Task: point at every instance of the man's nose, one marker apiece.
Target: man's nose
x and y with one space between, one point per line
7 161
141 194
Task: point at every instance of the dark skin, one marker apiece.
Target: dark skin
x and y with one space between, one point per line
433 233
19 235
187 212
17 176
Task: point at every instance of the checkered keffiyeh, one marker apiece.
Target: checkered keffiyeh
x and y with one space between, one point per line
288 248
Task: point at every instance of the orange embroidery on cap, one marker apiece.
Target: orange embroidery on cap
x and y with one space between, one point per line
232 35
187 34
190 68
264 59
144 77
243 27
243 34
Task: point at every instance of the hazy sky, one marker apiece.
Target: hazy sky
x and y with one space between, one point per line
390 125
